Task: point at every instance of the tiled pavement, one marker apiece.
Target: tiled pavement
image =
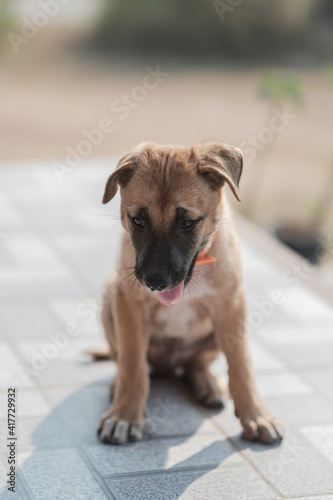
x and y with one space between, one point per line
57 244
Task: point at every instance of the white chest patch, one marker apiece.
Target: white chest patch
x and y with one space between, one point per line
181 320
177 319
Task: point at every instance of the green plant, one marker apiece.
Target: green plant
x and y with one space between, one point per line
7 21
281 88
6 17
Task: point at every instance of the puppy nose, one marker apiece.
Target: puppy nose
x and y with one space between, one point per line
156 281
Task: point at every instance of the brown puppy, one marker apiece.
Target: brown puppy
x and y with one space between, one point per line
174 211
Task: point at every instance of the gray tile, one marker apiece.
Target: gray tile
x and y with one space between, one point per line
198 450
304 333
9 495
258 320
227 421
10 218
263 358
49 364
293 467
6 494
232 480
33 268
302 409
29 403
285 383
93 260
321 381
10 375
305 356
28 249
62 474
294 411
170 412
307 305
58 216
84 311
321 497
58 346
321 437
67 374
37 181
3 472
27 282
27 321
41 433
257 260
78 412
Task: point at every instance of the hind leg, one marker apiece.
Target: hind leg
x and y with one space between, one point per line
206 388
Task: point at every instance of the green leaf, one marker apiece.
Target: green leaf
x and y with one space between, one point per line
280 87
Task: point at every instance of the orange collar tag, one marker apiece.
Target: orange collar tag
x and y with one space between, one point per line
202 260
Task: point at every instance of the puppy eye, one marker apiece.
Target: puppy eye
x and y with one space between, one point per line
186 224
138 221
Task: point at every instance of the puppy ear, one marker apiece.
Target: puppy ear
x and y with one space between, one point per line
220 163
121 176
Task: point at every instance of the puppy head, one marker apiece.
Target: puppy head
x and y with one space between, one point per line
171 206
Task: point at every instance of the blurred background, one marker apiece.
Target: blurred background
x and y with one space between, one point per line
92 78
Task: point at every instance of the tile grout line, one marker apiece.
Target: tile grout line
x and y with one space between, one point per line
249 462
299 373
204 411
94 472
59 254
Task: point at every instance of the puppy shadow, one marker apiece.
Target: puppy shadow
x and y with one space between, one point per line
182 449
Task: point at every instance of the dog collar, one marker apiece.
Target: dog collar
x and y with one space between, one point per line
202 258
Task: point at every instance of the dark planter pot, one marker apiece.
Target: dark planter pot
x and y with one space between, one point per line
305 240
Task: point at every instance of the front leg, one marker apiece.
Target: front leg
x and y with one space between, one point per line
257 422
123 421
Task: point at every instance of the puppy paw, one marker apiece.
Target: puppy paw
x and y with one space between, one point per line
207 390
114 429
260 425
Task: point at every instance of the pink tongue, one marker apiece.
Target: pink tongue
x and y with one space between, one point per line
171 296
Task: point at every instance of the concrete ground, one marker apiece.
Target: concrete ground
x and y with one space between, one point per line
58 243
